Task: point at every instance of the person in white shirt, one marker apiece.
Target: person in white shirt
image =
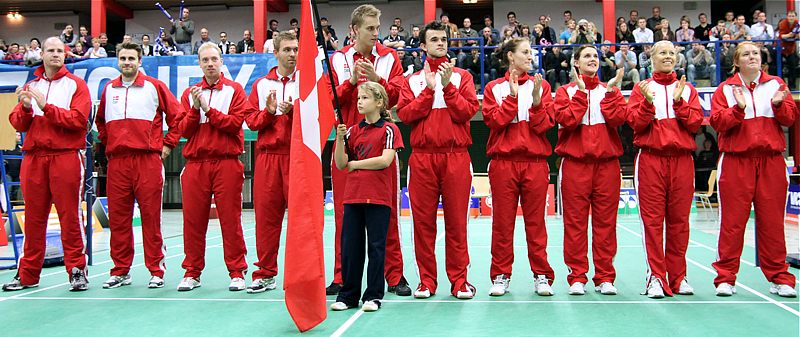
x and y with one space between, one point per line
740 30
761 30
34 54
642 34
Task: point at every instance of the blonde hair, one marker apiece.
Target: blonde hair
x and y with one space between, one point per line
738 52
287 35
378 92
357 18
208 45
661 44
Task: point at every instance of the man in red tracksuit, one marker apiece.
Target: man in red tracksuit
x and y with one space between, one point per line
367 60
214 110
272 96
53 111
438 103
665 113
129 121
748 110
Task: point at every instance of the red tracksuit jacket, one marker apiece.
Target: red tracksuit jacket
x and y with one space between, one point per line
134 116
664 126
387 66
588 130
757 127
517 129
439 122
62 124
218 133
274 131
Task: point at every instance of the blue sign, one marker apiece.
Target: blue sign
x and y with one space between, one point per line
793 200
178 72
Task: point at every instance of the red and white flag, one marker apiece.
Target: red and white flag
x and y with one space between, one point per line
304 267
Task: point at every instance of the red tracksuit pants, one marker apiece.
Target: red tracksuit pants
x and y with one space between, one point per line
222 178
761 181
513 182
137 176
585 186
665 185
393 266
270 200
52 178
431 175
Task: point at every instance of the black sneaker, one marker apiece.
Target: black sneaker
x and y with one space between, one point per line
78 281
401 289
16 284
333 289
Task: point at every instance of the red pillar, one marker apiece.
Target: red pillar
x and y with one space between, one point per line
790 5
430 10
98 17
609 20
259 24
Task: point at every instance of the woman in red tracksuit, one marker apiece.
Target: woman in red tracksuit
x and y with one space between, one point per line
518 109
665 113
748 111
588 113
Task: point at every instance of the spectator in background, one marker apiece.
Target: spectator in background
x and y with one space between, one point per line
508 34
413 40
127 38
512 24
232 49
487 22
452 31
595 33
169 48
680 65
716 33
705 162
182 30
110 50
684 34
626 59
548 33
654 22
665 33
393 40
401 30
224 44
701 64
525 32
324 23
97 50
623 34
642 34
726 54
584 34
84 37
68 36
3 48
740 31
251 50
273 28
488 37
633 23
468 31
788 29
147 49
410 63
331 44
14 54
607 64
645 63
564 37
567 16
755 14
203 39
33 56
247 41
555 66
767 57
295 26
730 21
13 167
761 30
77 52
701 32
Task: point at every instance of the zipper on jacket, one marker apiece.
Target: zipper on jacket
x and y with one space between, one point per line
589 106
125 111
666 101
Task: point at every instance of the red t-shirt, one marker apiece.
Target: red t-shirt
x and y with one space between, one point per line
365 141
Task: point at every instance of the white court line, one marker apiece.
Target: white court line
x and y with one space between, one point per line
275 300
347 324
2 299
738 284
135 255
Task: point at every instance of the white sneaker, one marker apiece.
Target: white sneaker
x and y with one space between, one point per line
782 290
155 282
654 290
467 292
542 286
261 285
188 283
685 288
339 306
117 281
370 306
422 291
499 285
606 288
237 284
725 290
577 288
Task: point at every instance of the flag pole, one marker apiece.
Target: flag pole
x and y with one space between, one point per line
337 108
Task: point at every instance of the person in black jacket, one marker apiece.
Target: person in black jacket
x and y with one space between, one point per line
556 65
